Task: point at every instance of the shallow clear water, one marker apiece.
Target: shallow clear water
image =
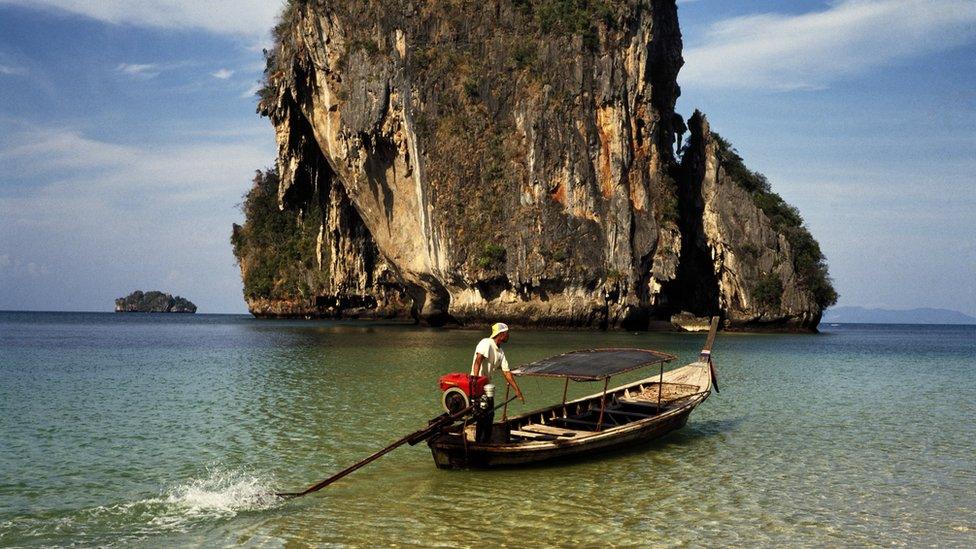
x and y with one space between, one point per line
175 430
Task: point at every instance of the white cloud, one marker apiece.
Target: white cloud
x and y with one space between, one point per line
222 74
34 269
99 219
139 70
39 152
252 91
250 18
146 71
16 267
97 169
8 69
808 51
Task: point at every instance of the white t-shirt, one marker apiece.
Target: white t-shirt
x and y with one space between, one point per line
494 356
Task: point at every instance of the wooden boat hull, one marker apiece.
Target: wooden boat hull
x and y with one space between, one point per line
454 450
452 453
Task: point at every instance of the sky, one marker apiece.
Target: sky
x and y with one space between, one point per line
128 136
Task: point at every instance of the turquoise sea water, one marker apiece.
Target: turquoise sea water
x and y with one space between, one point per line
164 430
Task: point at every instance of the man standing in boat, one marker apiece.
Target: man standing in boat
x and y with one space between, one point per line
489 357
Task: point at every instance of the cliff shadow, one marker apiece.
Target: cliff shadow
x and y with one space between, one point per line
695 288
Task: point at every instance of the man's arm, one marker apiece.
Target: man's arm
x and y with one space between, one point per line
511 381
476 364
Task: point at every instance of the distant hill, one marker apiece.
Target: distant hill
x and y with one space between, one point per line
861 315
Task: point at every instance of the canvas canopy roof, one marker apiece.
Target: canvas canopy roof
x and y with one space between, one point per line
593 364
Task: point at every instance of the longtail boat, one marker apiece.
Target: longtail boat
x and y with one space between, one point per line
612 419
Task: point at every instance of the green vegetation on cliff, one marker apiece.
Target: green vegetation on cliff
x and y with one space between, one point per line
277 249
768 291
808 260
492 256
577 17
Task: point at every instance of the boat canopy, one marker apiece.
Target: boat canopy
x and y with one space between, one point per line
593 364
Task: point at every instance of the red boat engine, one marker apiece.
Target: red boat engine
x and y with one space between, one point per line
459 389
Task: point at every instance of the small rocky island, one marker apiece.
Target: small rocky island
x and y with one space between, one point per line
153 302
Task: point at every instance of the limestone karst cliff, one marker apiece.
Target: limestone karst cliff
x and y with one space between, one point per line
511 160
743 247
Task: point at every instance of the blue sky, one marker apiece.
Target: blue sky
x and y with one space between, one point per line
128 135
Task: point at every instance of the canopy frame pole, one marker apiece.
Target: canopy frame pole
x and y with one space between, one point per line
660 387
505 410
603 404
565 392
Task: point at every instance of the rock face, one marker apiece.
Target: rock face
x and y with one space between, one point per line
153 302
737 254
511 161
314 261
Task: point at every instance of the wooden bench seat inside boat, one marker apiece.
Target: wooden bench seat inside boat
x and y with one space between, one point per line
635 415
586 425
532 436
549 430
650 407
